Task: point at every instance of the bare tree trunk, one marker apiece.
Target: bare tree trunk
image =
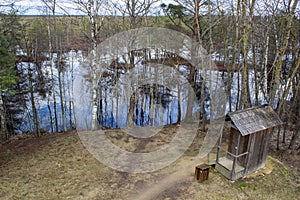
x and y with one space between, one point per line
235 52
52 78
59 67
277 64
245 93
117 110
130 115
296 136
92 5
196 24
238 102
50 115
92 9
256 79
71 92
203 83
288 85
54 103
106 109
178 101
60 86
64 88
4 134
294 145
32 99
265 63
100 110
227 64
191 78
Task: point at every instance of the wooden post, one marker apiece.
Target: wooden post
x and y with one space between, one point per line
219 146
202 172
235 157
249 154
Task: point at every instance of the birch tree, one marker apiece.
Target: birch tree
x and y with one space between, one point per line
93 9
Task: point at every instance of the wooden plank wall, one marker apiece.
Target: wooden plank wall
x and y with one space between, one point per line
258 150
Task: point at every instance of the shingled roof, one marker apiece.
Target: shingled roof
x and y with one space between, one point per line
255 119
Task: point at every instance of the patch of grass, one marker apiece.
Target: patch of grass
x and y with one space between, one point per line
241 185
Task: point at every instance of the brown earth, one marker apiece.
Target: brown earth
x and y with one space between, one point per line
57 166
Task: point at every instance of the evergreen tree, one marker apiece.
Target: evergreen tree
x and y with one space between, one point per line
7 78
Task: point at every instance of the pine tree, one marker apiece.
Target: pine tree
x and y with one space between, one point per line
7 78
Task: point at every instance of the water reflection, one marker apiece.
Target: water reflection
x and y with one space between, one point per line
142 89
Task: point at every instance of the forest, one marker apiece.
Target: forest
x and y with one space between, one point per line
254 44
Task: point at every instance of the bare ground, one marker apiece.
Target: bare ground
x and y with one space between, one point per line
57 166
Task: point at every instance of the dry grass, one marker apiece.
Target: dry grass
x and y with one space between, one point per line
59 167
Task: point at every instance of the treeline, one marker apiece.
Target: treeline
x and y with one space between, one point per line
256 43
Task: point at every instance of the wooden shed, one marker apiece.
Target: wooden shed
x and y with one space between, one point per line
246 146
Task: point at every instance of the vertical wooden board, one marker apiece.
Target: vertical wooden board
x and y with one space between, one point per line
268 137
259 147
264 146
258 150
254 151
258 143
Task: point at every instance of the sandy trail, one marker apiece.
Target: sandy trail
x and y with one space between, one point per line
183 172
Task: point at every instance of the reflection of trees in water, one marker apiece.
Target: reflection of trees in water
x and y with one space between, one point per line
159 93
145 99
148 102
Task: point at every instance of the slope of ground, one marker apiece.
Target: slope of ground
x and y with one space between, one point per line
57 166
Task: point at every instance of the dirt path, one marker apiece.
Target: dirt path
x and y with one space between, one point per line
59 167
183 172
